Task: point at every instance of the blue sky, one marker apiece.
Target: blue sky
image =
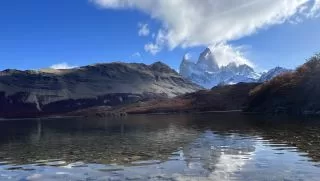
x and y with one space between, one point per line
37 34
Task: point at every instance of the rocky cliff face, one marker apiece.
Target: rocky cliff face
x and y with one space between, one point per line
45 92
207 61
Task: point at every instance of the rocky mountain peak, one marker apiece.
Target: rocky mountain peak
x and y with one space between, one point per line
246 69
161 67
207 52
186 57
273 73
207 61
207 73
232 65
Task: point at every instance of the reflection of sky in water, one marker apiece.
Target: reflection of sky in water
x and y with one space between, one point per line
178 151
209 157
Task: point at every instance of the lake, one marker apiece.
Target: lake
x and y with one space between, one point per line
220 146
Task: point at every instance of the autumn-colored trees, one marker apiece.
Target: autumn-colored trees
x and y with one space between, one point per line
295 92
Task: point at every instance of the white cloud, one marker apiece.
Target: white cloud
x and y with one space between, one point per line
226 54
315 9
187 56
190 23
63 65
156 47
143 29
152 48
136 54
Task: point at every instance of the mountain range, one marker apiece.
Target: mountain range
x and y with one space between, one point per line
292 93
49 91
141 88
207 73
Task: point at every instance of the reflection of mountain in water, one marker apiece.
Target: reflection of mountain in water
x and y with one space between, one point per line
147 137
158 147
219 155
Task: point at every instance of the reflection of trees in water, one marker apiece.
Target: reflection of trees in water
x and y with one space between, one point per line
305 135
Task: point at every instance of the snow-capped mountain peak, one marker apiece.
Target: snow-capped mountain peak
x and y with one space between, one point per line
205 55
207 73
207 61
273 73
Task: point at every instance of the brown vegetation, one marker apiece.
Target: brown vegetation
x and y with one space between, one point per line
220 98
293 93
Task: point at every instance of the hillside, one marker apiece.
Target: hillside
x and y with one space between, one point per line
48 91
220 98
296 92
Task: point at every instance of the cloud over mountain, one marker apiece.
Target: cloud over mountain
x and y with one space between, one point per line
188 23
226 54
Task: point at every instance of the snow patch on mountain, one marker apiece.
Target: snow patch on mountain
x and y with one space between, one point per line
273 73
207 72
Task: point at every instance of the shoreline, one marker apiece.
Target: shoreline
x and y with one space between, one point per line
128 114
155 113
32 118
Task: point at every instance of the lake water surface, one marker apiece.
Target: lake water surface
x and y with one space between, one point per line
226 146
